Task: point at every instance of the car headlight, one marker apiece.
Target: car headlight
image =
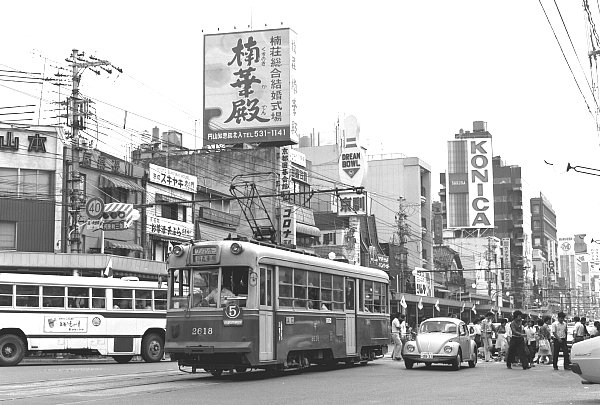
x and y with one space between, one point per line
410 348
447 349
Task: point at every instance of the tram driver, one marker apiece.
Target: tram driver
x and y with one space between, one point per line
214 295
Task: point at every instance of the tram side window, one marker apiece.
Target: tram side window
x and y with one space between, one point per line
326 295
6 292
286 294
28 296
122 299
314 291
368 296
143 299
179 285
349 294
98 298
361 295
53 297
79 297
300 289
160 300
338 293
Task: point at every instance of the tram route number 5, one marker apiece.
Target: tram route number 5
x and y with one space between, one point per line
94 208
232 315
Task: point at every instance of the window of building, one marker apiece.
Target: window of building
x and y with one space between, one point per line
535 209
8 182
8 235
537 224
36 183
171 208
116 194
537 242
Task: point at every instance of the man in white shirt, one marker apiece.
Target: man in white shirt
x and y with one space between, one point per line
396 330
559 336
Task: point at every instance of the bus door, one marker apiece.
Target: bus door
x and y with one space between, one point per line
266 319
350 309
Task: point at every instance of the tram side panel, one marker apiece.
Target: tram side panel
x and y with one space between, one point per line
373 333
306 332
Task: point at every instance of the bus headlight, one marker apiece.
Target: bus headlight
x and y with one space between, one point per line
177 250
236 248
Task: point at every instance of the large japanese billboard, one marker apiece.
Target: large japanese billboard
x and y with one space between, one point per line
250 89
481 183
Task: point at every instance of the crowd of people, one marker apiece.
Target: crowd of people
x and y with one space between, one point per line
520 341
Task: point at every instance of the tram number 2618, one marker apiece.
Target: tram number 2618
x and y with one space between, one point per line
202 331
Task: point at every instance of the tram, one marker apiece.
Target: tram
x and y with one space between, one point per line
240 304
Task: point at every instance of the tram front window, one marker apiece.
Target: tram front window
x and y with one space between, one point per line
207 292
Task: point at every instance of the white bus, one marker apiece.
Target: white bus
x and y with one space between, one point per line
82 315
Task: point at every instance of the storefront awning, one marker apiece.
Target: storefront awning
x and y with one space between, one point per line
308 229
108 181
112 244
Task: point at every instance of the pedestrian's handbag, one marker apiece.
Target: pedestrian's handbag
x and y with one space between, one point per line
544 344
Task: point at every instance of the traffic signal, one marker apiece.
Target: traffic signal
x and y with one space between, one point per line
119 214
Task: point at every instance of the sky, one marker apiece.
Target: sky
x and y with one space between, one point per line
413 74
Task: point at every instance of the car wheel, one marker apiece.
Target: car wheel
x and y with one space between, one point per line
457 361
428 365
408 364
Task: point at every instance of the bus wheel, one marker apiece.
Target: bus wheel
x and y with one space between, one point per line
12 350
153 348
122 359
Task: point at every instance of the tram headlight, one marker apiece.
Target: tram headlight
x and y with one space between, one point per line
177 250
236 248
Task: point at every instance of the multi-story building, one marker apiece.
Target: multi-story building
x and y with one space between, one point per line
544 260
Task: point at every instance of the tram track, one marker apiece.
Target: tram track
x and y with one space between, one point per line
91 386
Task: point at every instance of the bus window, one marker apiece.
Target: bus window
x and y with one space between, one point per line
98 298
160 300
28 296
122 299
53 297
143 299
180 288
6 291
79 297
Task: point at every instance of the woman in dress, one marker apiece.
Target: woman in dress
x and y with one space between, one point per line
544 348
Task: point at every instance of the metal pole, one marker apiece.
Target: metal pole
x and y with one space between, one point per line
75 186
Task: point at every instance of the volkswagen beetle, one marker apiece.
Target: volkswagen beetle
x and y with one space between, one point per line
441 340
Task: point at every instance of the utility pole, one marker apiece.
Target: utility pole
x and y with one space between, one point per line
403 230
78 113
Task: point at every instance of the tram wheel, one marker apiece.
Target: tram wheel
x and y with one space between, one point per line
216 372
12 350
122 359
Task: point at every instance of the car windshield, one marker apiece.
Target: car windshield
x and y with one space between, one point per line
438 327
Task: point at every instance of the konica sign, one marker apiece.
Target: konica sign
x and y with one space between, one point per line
481 183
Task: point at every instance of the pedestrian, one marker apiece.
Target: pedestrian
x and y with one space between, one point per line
397 352
559 338
403 329
584 322
531 333
501 343
544 348
517 341
487 328
578 330
595 330
477 334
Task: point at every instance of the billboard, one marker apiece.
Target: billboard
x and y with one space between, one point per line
481 183
250 89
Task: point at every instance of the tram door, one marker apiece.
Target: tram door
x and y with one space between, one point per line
266 316
350 310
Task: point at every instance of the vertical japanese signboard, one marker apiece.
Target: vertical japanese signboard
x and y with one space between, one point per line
288 224
250 89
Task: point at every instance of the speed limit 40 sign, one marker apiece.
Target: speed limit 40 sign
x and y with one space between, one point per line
94 208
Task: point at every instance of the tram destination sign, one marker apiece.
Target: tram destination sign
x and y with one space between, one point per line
205 255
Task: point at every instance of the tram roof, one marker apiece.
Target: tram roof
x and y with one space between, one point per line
298 257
